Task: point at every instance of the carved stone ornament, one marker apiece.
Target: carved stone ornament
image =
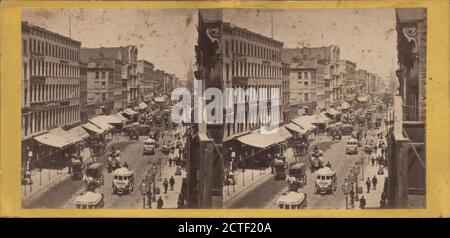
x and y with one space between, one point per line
410 34
213 34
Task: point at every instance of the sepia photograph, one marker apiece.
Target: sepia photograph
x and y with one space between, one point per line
281 109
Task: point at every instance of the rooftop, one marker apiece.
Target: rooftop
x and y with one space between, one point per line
27 26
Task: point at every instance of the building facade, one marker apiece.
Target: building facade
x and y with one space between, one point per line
146 81
126 88
313 79
286 109
104 87
250 60
349 77
158 76
83 93
50 79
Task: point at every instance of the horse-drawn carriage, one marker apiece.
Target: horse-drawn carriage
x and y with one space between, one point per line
279 169
94 177
113 162
297 177
316 160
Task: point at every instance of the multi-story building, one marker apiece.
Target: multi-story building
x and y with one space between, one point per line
129 74
83 93
126 57
168 83
348 76
104 86
312 73
286 109
362 76
51 81
158 76
250 60
336 84
407 148
145 79
371 78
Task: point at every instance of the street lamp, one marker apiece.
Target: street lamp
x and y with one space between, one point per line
144 189
356 171
346 190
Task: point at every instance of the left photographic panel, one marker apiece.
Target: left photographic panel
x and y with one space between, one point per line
96 129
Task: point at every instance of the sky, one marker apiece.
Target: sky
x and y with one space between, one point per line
166 37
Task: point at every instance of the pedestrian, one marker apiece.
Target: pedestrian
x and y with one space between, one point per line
172 183
362 202
160 203
374 182
372 159
180 200
170 158
368 184
352 198
149 199
166 185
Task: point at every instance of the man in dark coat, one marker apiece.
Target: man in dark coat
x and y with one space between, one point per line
374 182
172 183
166 185
362 202
368 184
160 203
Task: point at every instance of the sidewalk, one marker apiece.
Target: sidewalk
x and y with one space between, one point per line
244 181
374 196
43 180
47 178
171 197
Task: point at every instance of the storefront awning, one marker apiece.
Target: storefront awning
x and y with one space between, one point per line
143 105
130 112
91 127
262 140
112 119
320 119
80 132
121 117
332 111
304 122
69 137
293 127
53 139
101 121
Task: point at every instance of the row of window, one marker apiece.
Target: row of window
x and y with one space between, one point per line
49 92
254 70
54 37
237 128
36 122
256 38
240 96
51 69
244 48
304 75
102 74
46 48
